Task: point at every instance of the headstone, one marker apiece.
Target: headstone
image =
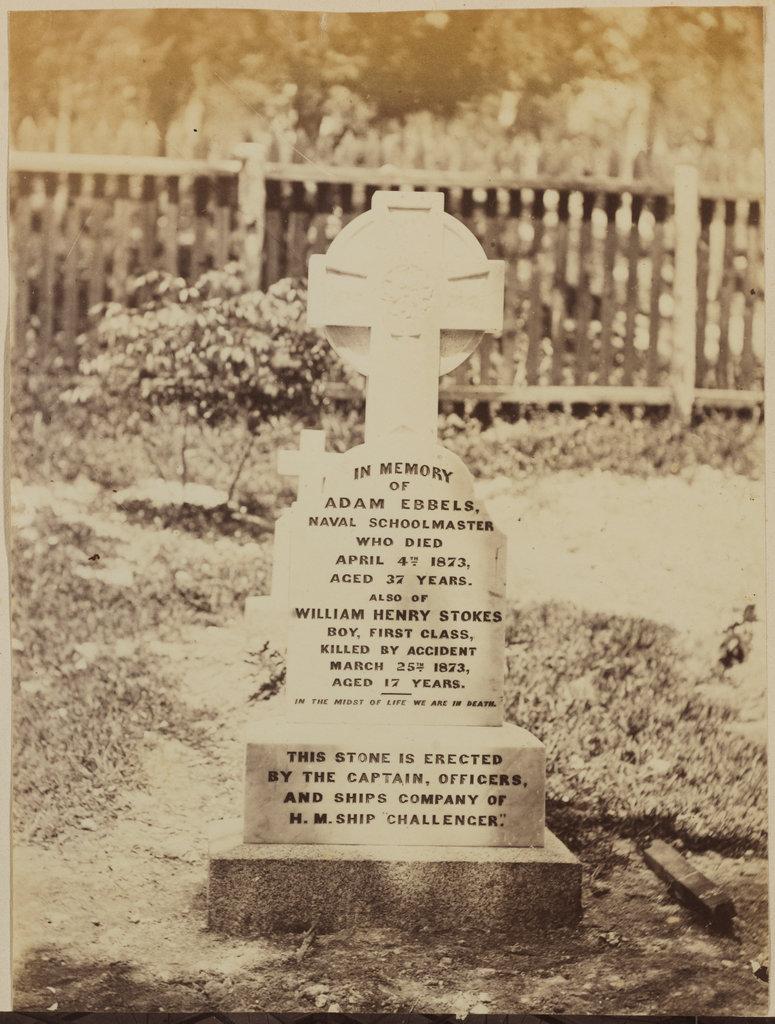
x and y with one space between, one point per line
387 755
306 464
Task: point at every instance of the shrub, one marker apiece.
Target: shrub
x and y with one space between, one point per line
634 443
201 356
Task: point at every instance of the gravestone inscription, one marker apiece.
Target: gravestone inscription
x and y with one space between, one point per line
398 615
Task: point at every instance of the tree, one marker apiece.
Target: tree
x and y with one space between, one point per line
704 69
699 68
540 53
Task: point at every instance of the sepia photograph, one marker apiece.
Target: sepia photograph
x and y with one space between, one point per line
386 522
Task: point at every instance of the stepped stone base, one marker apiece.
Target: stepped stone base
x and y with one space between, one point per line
260 889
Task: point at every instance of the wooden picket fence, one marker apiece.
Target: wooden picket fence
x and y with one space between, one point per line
616 291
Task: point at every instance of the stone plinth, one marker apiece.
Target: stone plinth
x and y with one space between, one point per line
475 786
257 889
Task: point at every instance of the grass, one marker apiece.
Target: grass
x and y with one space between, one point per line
79 742
87 692
630 443
629 741
59 442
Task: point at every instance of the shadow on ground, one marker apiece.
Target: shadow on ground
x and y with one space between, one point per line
636 951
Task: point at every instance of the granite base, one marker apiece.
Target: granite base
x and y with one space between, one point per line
260 889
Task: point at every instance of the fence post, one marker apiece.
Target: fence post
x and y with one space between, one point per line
684 355
252 205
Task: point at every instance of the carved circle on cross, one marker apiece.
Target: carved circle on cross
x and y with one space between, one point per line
356 245
406 291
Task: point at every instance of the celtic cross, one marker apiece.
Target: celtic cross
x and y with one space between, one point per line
404 293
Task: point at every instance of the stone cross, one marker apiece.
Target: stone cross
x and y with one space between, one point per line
404 293
308 463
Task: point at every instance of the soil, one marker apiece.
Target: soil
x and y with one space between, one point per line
114 917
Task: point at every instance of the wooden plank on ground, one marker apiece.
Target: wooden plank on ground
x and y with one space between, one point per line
689 885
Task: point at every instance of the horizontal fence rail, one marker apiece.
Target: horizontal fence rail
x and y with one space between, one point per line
616 291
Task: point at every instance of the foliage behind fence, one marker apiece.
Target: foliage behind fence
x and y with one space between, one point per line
590 263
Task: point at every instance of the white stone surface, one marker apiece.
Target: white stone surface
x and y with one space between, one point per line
404 293
412 786
308 463
396 586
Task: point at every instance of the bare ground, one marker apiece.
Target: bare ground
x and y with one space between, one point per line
115 918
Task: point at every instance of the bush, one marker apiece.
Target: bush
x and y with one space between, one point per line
634 443
186 357
629 742
211 348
